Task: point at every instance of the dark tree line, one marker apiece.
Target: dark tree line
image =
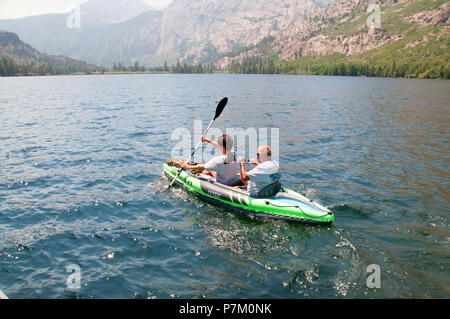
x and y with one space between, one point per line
190 68
418 69
9 67
177 68
131 68
253 65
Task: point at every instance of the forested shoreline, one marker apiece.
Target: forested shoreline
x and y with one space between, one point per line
419 69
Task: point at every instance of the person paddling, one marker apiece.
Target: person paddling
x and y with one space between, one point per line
222 168
266 172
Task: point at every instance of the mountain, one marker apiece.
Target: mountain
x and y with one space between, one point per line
200 30
104 12
411 40
188 30
109 31
289 36
19 58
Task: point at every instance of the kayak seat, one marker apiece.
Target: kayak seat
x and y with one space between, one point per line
232 183
269 190
236 182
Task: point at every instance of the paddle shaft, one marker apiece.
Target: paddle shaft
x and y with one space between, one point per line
192 154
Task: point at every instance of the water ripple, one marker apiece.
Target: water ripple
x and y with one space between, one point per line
81 183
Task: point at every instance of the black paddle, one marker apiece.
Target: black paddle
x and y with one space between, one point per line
219 110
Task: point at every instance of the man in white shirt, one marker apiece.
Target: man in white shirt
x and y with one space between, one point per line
223 168
265 173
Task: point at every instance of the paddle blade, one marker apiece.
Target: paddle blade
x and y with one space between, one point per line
220 107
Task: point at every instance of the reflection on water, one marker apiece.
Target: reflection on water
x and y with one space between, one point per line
81 183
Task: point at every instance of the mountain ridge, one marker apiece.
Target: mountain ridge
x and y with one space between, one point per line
414 34
411 41
193 31
19 58
290 34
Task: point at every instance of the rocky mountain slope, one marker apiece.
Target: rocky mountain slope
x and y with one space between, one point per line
109 31
189 30
199 30
19 58
342 28
231 32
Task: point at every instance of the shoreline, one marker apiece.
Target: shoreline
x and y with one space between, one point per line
215 72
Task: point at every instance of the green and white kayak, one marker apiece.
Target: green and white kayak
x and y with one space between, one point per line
286 204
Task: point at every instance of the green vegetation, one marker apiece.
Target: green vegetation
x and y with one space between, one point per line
357 18
424 60
10 67
177 68
19 58
188 68
417 51
421 54
392 18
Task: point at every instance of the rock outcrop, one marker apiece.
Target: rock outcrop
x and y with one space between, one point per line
196 30
434 17
340 27
223 32
189 30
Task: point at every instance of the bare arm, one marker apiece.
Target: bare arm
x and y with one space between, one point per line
243 172
198 167
213 143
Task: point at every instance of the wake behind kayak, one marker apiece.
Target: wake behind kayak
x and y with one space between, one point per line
285 205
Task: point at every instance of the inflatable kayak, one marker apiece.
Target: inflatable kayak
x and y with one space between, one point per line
285 205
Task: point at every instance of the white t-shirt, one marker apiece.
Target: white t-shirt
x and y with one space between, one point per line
262 175
225 166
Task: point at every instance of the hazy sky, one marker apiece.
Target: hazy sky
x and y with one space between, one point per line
12 9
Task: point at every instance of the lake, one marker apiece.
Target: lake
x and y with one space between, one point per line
82 188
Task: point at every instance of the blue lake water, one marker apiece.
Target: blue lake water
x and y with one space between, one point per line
81 184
